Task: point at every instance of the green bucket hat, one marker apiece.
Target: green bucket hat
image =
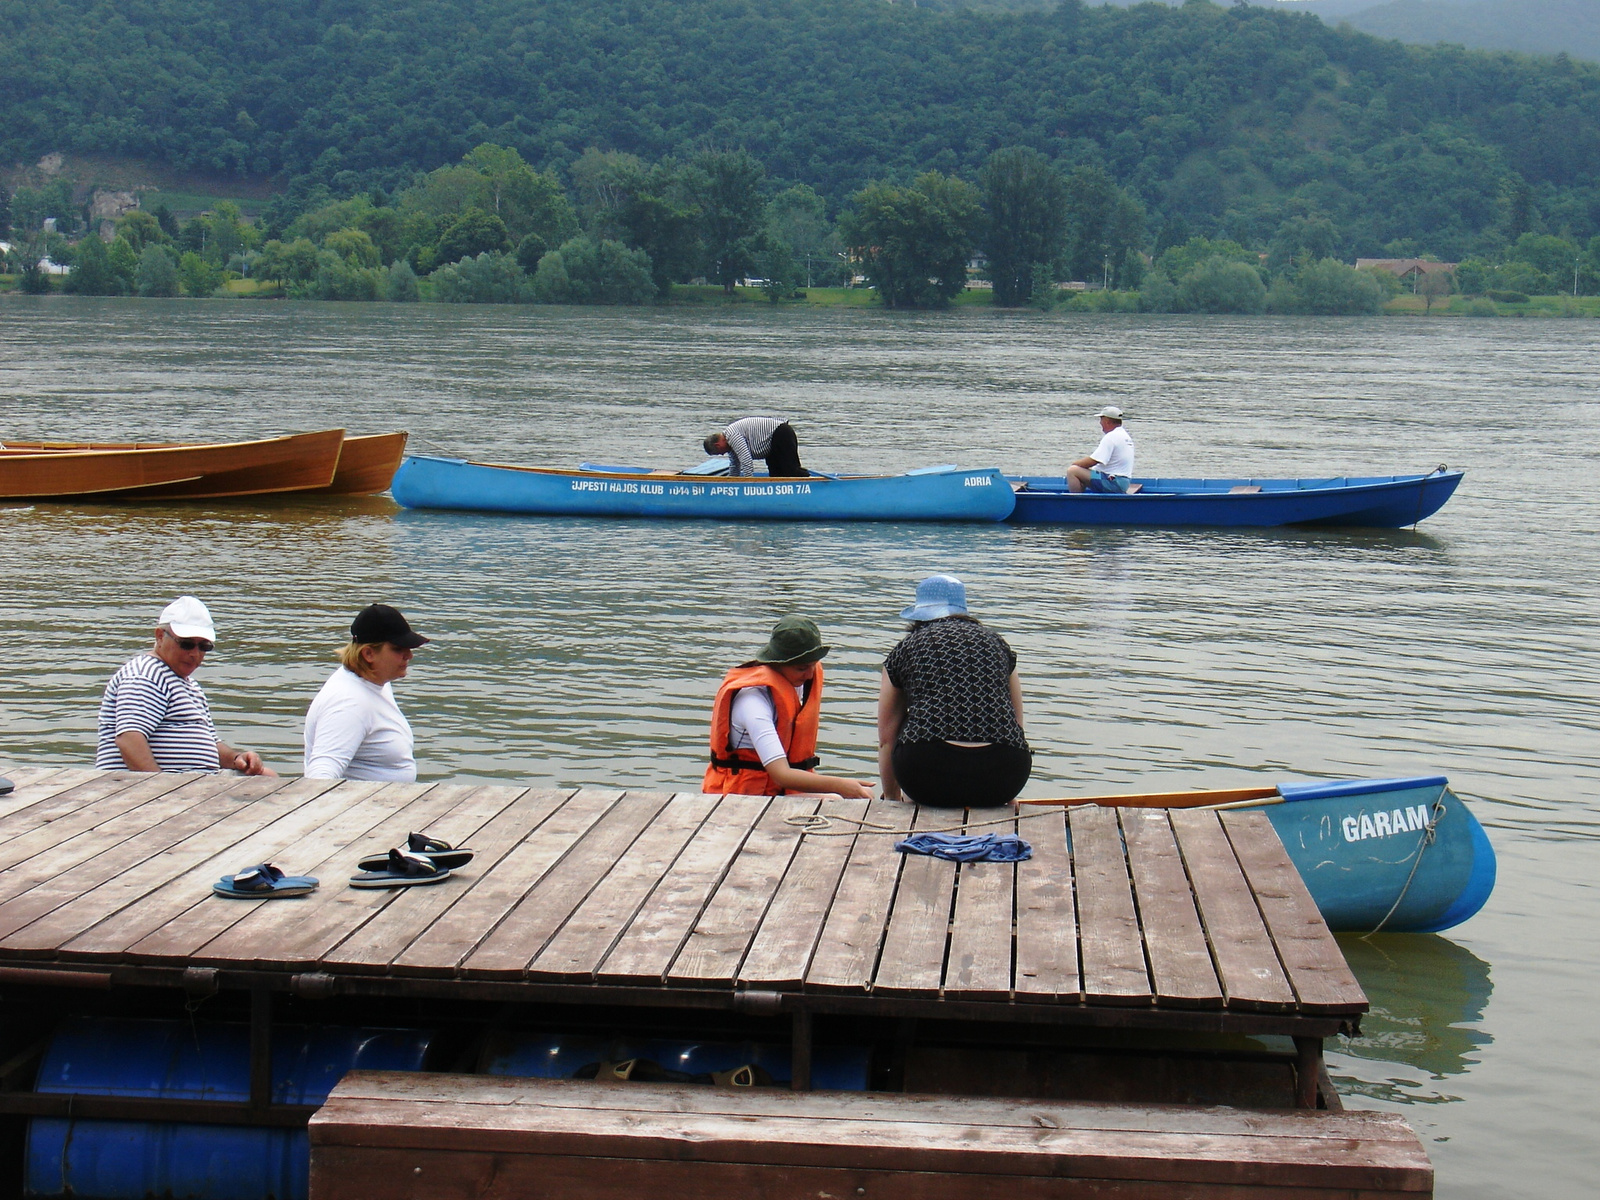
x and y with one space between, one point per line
794 640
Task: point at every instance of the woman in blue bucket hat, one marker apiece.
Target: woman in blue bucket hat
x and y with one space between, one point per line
950 707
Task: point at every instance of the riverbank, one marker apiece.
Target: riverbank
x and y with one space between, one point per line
1098 301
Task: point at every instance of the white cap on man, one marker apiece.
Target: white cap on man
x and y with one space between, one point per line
188 618
1110 412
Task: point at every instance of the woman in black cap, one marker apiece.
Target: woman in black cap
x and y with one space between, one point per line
354 729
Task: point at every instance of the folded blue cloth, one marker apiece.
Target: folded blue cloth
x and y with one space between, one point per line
968 847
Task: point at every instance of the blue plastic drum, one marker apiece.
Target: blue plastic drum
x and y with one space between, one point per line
559 1055
109 1160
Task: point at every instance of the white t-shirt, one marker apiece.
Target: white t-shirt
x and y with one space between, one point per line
1115 453
355 730
753 724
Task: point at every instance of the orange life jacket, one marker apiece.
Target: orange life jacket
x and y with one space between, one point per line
740 770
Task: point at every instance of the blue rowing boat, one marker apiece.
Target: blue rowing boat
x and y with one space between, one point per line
928 494
1401 855
1378 501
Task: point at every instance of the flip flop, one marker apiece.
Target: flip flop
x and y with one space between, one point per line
263 882
401 869
435 850
6 786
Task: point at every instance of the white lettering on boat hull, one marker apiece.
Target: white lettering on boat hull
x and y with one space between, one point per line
1384 824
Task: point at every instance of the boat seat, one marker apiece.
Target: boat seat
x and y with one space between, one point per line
1243 489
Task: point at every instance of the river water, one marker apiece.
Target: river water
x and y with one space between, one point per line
586 652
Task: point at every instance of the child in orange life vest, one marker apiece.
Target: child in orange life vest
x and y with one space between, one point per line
764 720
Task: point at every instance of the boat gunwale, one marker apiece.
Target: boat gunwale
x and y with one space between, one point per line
676 477
166 447
1370 483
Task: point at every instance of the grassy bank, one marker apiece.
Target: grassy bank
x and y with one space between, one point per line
710 295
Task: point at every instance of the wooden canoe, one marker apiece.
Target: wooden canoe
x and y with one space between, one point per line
367 464
297 462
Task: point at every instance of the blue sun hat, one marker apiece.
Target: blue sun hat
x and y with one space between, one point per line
938 596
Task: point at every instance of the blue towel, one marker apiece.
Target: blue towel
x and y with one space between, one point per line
968 847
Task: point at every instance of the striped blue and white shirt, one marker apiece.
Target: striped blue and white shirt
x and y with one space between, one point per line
148 696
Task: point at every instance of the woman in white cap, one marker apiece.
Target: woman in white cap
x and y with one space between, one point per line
1110 467
950 707
354 729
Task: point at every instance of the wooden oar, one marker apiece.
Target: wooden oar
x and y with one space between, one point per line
1220 798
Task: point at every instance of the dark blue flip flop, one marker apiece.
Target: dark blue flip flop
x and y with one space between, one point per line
263 882
440 853
401 869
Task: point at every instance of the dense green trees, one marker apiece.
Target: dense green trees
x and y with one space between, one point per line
913 243
1232 119
1025 202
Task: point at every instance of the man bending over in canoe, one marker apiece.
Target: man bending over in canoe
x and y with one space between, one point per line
764 720
769 438
155 718
1110 467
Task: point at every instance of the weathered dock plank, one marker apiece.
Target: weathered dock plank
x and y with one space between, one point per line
1047 916
657 932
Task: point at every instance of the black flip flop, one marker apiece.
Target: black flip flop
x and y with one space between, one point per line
6 786
401 869
263 882
437 851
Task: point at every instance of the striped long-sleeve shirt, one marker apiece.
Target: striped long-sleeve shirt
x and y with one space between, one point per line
748 440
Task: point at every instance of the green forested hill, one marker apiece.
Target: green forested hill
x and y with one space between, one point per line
1223 120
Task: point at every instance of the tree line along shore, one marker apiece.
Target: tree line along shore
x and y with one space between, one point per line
491 229
1198 157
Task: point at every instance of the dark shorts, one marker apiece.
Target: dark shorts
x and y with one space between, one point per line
946 776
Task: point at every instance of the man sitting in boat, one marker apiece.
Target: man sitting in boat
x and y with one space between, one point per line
764 720
1110 467
154 717
768 438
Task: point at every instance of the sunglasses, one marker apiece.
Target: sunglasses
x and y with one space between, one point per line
200 644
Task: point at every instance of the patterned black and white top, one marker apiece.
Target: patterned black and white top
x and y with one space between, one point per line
955 675
147 695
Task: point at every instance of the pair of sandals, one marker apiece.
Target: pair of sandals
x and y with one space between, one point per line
423 860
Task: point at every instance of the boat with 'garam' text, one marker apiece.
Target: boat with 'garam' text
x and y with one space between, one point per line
1400 855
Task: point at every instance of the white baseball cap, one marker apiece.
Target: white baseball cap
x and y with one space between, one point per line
1111 412
188 618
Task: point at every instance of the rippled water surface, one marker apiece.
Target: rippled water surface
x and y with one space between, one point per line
571 651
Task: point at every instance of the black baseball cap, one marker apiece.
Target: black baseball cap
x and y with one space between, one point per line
381 623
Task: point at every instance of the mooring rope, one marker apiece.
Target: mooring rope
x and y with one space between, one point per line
1439 470
1422 844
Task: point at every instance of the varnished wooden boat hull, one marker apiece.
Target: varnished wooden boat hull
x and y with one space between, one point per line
367 464
297 462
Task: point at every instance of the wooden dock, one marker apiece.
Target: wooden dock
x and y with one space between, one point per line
1139 921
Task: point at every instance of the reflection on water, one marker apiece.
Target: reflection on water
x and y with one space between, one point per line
1428 997
587 652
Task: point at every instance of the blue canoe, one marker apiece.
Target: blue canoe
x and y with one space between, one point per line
1378 501
1401 854
929 494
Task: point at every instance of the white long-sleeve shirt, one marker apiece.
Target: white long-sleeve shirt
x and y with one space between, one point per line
355 730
